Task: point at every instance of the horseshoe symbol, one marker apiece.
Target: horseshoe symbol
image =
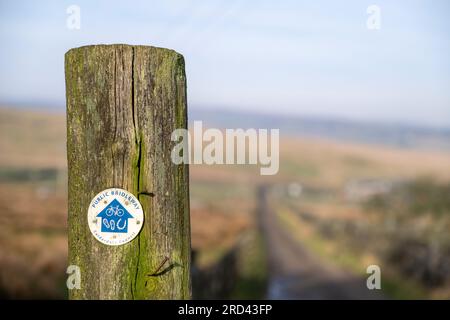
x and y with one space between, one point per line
124 224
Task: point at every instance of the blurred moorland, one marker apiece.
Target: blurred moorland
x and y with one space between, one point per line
346 204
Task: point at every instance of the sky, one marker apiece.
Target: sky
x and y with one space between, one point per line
314 58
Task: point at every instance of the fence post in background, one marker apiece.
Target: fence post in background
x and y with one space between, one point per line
123 102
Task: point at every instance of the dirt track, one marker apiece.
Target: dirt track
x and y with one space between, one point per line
296 274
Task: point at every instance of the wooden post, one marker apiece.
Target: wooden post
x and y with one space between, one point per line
123 102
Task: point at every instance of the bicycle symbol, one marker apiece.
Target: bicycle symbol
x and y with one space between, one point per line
116 211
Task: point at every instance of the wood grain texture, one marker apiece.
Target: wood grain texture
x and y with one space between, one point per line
123 102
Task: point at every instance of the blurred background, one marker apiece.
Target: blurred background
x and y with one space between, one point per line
359 91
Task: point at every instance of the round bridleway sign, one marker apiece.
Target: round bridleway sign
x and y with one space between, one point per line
115 216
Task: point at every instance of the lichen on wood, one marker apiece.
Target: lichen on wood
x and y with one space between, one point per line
123 102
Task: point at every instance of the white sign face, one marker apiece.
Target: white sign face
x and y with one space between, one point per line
115 216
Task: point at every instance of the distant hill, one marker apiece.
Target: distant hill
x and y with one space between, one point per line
396 135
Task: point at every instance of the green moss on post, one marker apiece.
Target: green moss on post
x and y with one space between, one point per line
123 102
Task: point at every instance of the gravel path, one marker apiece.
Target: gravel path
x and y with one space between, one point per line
295 273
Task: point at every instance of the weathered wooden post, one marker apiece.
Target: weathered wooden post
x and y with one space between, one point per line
123 102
